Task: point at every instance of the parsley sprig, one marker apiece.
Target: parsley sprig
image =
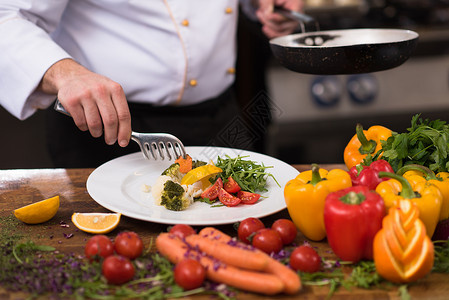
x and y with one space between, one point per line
250 175
425 143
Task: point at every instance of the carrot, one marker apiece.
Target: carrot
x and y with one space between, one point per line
290 279
214 234
175 250
185 164
252 281
234 255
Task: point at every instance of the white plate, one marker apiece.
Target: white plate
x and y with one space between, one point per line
117 186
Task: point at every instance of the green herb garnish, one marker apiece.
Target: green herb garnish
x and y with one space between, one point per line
425 143
250 175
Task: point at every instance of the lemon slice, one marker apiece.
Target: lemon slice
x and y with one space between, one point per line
98 223
202 173
38 212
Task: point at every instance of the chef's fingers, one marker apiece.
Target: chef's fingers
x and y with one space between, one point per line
266 7
109 119
275 25
74 108
123 116
93 118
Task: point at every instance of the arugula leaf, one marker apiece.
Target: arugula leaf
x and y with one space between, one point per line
250 175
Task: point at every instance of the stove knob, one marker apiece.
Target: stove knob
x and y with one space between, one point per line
326 90
362 88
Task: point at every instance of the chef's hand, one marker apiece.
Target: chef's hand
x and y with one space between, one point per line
274 24
95 102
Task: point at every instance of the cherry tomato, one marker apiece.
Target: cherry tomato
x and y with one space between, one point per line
267 240
212 192
286 229
248 197
227 199
98 246
306 259
231 186
117 269
182 230
128 244
249 227
189 274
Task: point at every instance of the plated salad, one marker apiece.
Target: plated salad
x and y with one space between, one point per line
227 181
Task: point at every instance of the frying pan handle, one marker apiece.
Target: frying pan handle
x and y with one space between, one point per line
294 15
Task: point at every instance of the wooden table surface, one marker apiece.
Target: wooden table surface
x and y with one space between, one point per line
25 186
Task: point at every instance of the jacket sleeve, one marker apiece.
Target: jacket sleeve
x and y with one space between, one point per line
26 52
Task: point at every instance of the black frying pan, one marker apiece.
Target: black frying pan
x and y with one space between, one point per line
349 51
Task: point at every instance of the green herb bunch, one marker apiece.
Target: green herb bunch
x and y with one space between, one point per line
250 176
425 143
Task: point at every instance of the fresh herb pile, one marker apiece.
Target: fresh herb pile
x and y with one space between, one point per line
425 143
250 176
41 270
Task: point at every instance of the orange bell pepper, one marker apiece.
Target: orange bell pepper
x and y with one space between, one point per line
364 142
402 251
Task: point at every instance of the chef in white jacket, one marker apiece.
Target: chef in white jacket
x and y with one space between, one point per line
169 62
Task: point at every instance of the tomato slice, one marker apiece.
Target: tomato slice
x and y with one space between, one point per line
212 191
248 197
227 199
231 186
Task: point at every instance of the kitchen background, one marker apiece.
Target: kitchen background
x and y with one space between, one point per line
313 117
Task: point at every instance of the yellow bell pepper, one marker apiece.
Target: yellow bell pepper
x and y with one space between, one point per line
364 142
305 196
402 251
441 180
426 196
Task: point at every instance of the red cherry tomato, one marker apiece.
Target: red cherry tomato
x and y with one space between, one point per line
117 269
182 230
189 274
128 244
212 192
249 227
286 229
306 259
227 199
248 197
231 186
267 240
98 246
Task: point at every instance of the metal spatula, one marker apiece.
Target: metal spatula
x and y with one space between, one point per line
153 145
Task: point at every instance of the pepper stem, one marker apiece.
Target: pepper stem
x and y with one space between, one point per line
407 190
316 177
429 174
353 198
367 146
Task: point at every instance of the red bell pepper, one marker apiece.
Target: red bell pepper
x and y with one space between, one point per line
352 217
368 174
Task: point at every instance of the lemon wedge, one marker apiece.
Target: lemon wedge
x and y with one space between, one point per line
38 212
202 173
97 223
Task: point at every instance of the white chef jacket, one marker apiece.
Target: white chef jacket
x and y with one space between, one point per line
165 52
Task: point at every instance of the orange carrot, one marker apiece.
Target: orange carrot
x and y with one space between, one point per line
290 279
215 234
233 255
185 164
175 250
